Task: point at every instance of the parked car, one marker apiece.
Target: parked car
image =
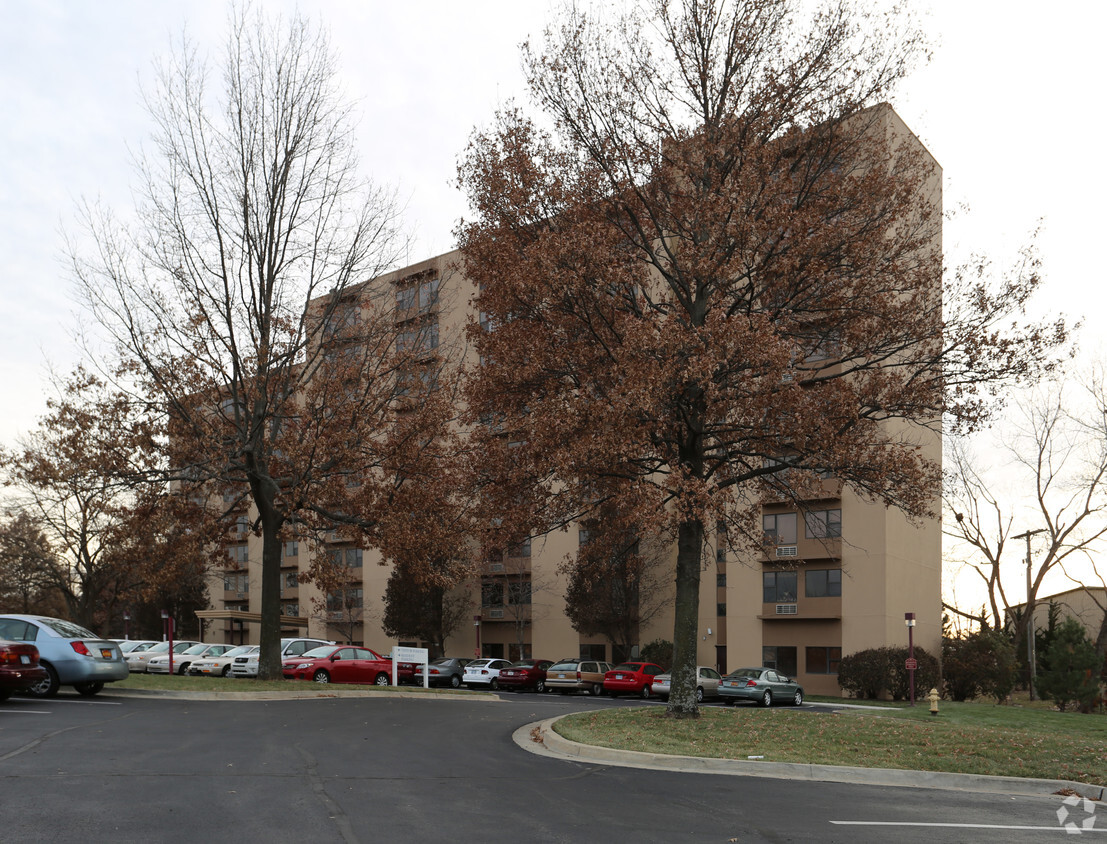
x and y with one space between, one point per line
484 673
137 660
525 674
631 678
127 646
19 668
71 655
444 671
182 660
707 684
247 664
220 666
763 685
345 664
577 675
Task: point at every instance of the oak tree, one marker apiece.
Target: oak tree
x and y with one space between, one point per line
711 255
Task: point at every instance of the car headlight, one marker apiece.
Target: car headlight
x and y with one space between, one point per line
303 665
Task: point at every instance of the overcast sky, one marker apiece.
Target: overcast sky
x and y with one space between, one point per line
1011 106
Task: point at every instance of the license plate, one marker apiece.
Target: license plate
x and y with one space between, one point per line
105 653
619 677
560 676
24 659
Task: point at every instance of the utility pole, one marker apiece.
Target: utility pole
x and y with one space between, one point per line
1029 612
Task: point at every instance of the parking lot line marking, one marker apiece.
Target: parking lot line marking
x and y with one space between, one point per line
87 702
28 711
959 825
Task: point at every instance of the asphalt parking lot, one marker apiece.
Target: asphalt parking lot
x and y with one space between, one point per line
129 768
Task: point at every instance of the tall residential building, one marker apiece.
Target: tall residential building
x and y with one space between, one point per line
837 574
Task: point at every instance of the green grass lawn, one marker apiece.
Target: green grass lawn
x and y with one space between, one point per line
172 682
970 738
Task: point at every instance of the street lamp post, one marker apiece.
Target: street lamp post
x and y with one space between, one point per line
167 620
909 620
476 624
1030 655
126 625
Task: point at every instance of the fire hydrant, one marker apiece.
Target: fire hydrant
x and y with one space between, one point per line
933 701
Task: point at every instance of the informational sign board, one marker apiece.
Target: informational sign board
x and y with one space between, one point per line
416 655
911 664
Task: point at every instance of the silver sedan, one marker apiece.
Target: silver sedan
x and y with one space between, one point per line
707 683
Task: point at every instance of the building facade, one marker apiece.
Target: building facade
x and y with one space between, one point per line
837 573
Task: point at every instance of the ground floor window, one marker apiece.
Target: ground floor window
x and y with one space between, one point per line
596 652
492 650
782 658
823 660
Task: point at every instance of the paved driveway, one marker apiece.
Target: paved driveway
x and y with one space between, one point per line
127 769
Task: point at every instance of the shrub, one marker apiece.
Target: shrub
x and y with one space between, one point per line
1072 675
981 663
659 651
875 672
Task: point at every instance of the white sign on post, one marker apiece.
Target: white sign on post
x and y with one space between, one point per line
416 655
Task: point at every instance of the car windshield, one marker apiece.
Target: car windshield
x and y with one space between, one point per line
568 665
239 651
127 647
745 672
67 629
181 647
318 653
524 663
196 649
159 648
478 663
628 666
441 661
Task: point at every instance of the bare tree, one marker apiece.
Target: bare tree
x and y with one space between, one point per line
1062 456
229 295
27 568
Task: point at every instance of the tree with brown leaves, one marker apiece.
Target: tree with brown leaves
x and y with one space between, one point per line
718 254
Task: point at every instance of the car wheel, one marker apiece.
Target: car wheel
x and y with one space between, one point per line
540 686
767 698
88 689
183 668
699 695
597 689
226 671
381 679
5 694
798 699
48 687
455 681
645 692
728 701
321 676
494 684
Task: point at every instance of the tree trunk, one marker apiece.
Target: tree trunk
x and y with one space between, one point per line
682 698
269 662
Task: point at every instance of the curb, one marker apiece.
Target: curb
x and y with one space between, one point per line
294 695
540 738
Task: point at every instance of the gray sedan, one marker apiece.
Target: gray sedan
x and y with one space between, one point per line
707 683
70 654
763 685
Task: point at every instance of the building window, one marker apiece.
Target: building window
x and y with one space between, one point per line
291 581
779 587
520 550
823 660
292 610
720 579
239 553
583 537
823 583
428 295
292 549
236 583
596 652
823 524
782 659
491 594
518 592
780 528
720 610
349 557
344 599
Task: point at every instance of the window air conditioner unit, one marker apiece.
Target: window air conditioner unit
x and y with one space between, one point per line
495 613
786 609
497 567
240 596
786 550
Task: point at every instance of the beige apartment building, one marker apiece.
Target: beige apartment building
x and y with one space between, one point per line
837 574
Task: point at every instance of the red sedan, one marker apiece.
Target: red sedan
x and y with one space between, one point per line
631 678
525 674
345 664
19 668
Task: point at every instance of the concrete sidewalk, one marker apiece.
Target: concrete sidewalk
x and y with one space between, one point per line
540 738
